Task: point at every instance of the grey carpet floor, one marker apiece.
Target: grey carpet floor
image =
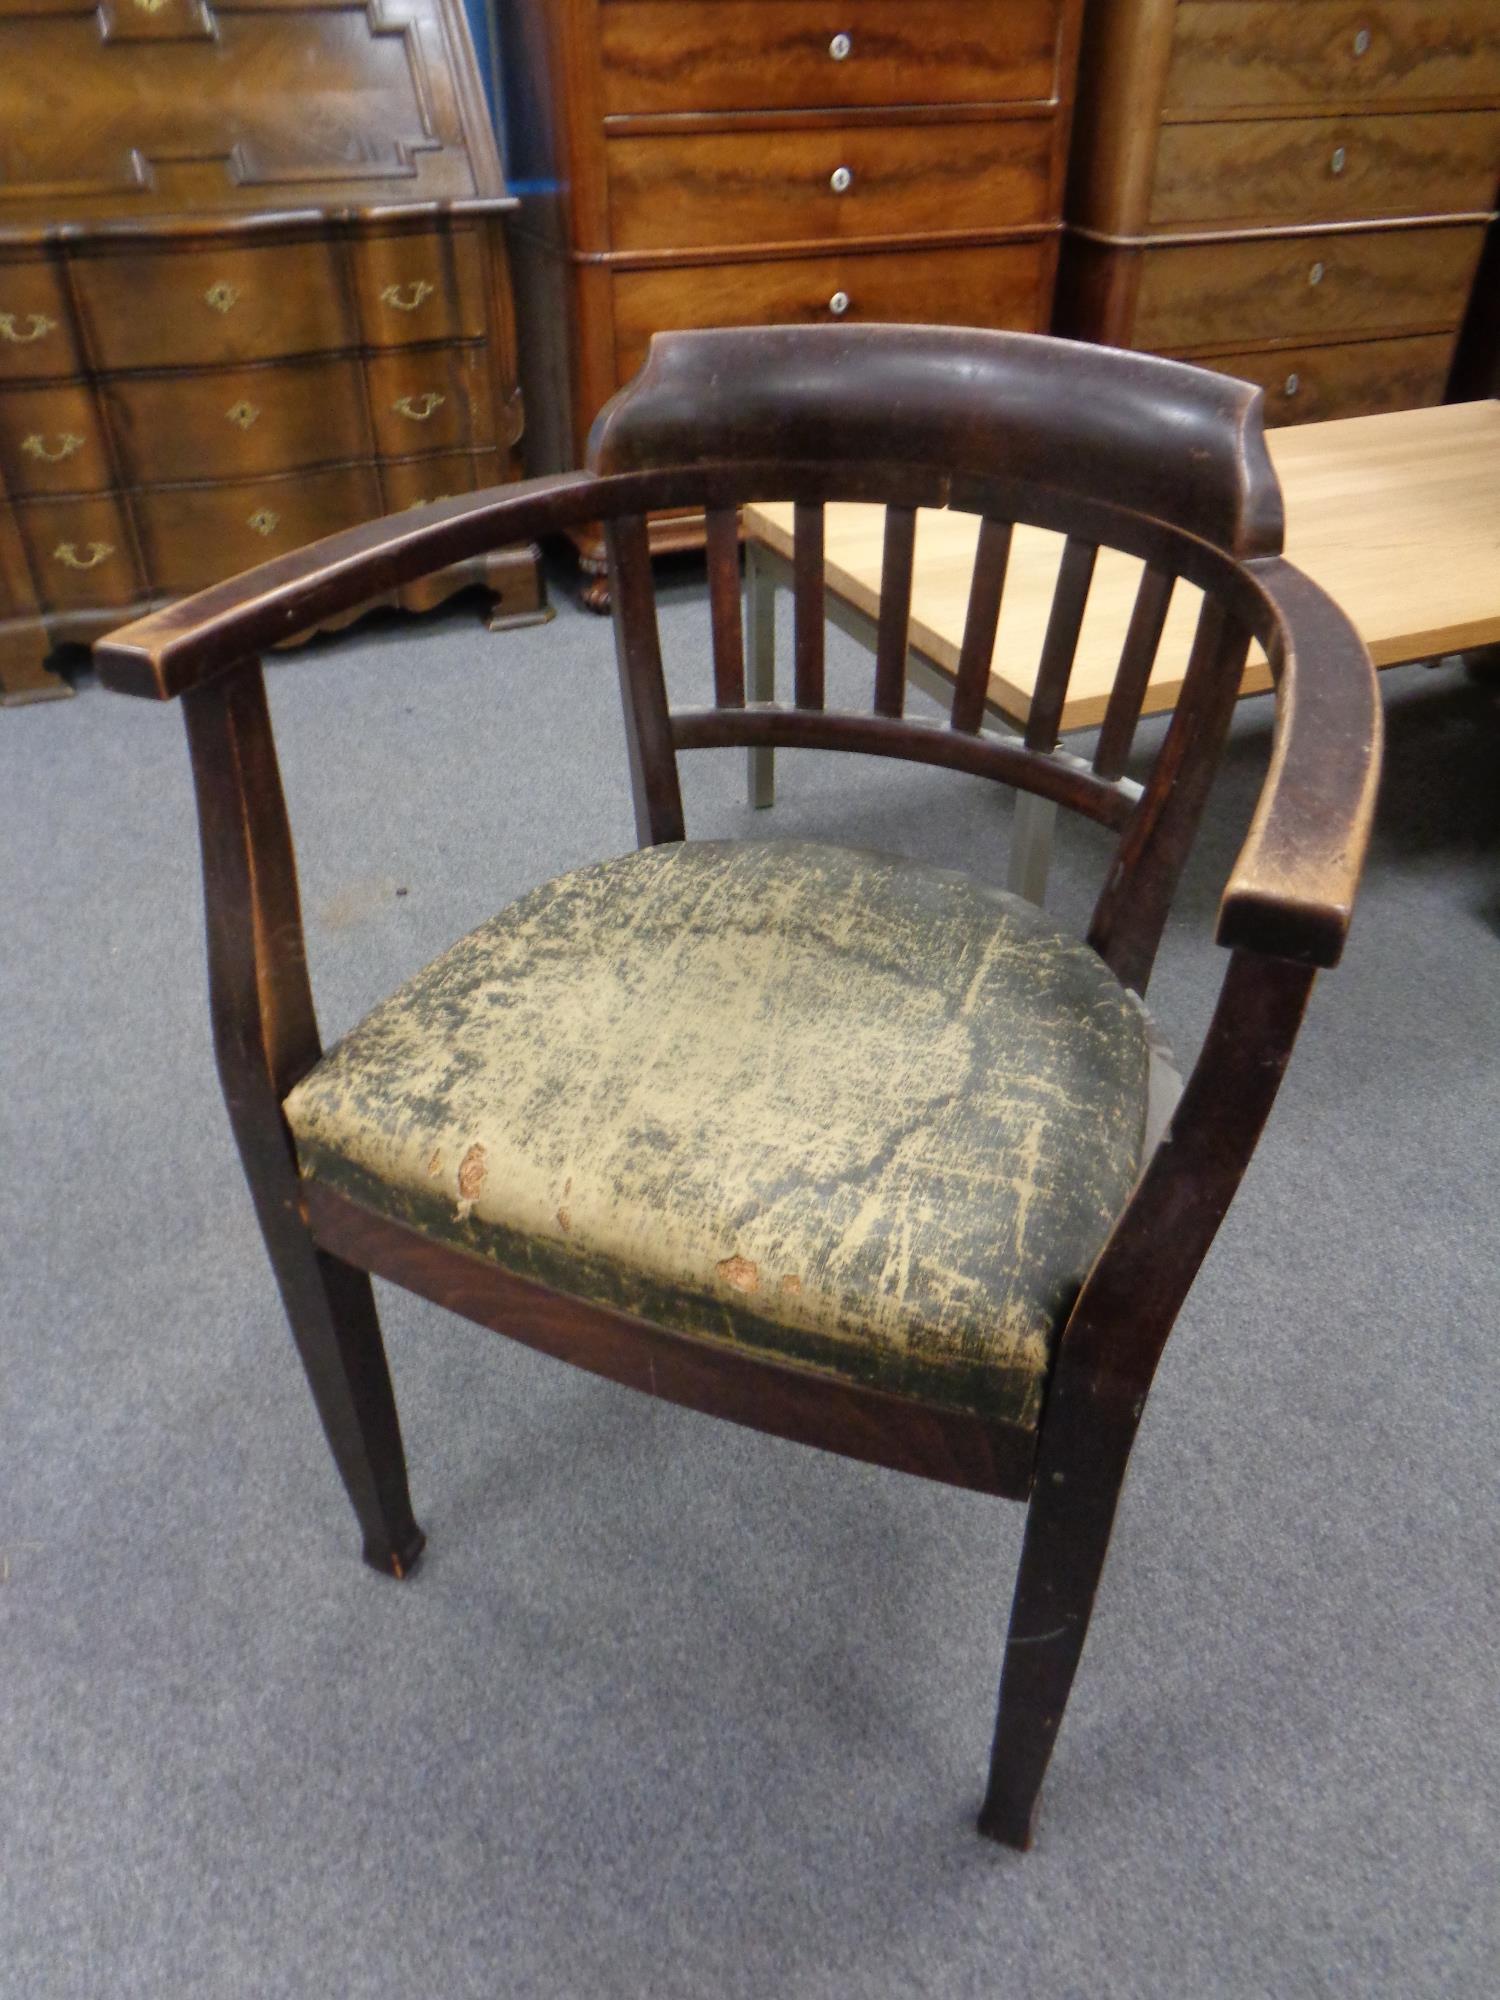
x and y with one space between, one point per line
671 1709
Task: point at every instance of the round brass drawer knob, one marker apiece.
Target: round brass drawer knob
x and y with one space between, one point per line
841 48
1339 161
841 180
1362 42
838 305
1292 384
1316 274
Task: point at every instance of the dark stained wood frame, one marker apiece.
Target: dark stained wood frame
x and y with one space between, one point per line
1114 449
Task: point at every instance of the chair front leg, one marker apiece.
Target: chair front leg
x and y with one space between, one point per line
1107 1358
1081 1465
266 1038
330 1307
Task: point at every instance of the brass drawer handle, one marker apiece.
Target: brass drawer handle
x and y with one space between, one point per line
419 408
243 415
841 180
1292 384
221 296
1339 161
838 305
841 48
264 521
67 554
1317 273
67 443
1362 42
416 291
38 322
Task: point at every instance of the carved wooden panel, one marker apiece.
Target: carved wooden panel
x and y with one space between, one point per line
249 253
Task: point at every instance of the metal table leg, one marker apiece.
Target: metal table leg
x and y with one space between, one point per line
1031 847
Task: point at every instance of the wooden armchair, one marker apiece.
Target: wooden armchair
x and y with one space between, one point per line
836 1145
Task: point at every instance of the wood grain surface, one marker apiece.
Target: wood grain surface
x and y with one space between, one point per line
742 55
1396 516
704 190
1230 53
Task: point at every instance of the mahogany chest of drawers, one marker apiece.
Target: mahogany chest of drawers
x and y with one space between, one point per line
252 290
1295 191
733 162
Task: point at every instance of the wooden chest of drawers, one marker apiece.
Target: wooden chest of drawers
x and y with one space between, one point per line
1293 190
253 289
731 162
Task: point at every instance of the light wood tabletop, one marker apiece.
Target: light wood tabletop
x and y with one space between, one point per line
1397 517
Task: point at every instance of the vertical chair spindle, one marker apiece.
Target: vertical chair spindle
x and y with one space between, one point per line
1137 657
807 589
895 610
986 586
1131 912
648 724
723 529
1065 622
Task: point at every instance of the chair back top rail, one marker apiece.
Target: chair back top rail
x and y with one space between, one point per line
1149 436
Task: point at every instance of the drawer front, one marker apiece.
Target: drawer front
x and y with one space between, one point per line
81 553
416 482
1001 286
209 306
1327 169
1306 385
420 287
197 534
1254 52
889 180
1307 287
234 424
752 55
36 334
52 441
430 401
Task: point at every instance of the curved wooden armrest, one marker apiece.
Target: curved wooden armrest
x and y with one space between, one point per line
169 651
1292 888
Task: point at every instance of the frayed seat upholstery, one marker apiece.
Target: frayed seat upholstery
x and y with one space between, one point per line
832 1107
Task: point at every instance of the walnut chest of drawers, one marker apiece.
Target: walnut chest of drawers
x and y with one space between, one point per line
1295 191
735 162
252 289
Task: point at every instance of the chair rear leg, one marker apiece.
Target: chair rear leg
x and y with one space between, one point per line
1068 1524
330 1307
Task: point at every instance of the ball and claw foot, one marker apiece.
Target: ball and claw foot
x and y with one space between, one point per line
594 595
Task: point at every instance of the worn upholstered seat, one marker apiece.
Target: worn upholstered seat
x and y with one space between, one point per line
840 1108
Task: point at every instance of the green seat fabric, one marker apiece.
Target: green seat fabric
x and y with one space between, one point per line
832 1107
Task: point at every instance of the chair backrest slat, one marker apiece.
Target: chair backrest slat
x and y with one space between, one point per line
648 722
807 590
895 610
723 532
1137 657
1132 909
982 619
1064 623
